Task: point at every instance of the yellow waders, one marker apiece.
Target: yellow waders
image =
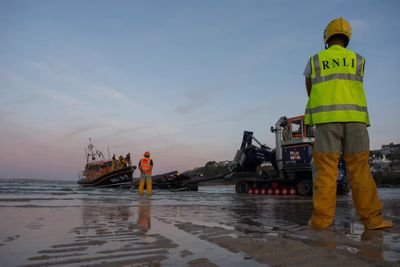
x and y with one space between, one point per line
353 139
145 177
324 197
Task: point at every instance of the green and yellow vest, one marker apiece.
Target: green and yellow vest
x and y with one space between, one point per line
337 92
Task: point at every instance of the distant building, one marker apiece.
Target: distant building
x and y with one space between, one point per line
224 163
386 160
393 149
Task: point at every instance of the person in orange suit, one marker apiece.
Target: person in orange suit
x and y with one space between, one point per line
146 168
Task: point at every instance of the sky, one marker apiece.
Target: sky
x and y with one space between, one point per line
181 79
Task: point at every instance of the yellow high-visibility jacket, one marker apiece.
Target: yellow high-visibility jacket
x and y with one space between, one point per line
337 91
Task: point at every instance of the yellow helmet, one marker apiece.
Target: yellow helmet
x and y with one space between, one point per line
337 26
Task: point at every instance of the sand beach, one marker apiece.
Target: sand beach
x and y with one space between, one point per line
50 224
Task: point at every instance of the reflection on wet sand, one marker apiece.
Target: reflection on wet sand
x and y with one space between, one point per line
286 217
373 248
144 216
92 214
212 227
108 236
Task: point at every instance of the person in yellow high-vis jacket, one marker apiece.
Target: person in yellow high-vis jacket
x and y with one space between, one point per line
337 107
146 168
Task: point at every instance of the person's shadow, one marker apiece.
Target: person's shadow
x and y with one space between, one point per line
144 216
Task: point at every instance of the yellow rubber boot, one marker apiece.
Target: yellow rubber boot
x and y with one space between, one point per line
364 192
384 224
324 197
149 186
141 186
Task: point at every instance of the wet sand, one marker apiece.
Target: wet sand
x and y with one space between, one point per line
212 227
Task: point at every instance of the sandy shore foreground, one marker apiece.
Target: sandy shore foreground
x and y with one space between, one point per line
190 229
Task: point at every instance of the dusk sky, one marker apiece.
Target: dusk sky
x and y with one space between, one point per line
181 79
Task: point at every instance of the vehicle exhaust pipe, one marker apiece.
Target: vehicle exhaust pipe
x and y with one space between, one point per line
279 126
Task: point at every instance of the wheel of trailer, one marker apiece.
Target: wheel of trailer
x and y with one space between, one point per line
305 187
193 187
343 187
242 187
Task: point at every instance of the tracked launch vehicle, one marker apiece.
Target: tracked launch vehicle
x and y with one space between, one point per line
290 161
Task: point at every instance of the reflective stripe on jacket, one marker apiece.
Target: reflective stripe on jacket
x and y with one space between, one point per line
337 92
145 165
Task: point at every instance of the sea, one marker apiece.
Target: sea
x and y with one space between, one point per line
52 193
